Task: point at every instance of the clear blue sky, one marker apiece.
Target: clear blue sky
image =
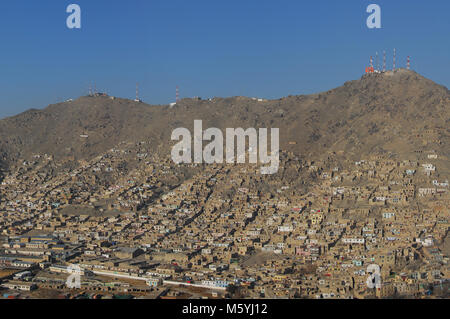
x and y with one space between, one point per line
208 47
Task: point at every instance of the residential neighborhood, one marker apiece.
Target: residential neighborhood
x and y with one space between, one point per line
129 225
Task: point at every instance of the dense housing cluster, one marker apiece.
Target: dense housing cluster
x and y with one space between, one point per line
137 224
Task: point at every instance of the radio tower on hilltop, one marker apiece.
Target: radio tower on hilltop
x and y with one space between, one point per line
395 55
408 63
377 62
177 97
137 93
384 61
370 69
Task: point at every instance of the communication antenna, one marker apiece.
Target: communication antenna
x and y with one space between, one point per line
177 94
408 63
90 89
137 92
377 62
384 61
371 62
395 56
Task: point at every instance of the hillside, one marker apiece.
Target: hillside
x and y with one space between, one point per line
377 113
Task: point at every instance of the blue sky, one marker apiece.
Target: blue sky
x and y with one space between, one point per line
209 48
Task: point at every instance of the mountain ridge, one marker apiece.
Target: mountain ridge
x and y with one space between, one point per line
376 113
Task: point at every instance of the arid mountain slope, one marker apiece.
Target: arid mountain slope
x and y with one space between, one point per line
379 112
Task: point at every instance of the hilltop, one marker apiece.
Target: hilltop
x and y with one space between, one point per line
375 114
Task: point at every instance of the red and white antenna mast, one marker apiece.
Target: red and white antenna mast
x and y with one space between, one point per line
395 56
377 62
384 61
177 94
408 63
